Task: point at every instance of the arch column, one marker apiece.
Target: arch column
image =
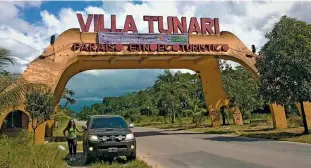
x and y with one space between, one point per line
215 95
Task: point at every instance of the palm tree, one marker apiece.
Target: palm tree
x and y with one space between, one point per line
67 94
11 92
170 92
195 110
5 58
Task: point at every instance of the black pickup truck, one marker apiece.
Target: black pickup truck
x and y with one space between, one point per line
108 136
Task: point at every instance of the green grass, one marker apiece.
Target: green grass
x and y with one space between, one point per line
19 152
133 164
65 144
261 129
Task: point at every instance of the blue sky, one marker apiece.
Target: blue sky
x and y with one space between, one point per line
28 25
32 15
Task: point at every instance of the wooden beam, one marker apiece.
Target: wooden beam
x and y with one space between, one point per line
143 59
197 61
174 58
112 60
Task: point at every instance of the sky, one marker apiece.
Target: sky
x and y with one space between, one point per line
26 27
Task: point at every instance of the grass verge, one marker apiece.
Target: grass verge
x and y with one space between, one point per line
133 164
19 152
258 130
266 132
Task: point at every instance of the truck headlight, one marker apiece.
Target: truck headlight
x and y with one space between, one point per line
129 136
93 137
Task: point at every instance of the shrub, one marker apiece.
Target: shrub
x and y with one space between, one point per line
133 164
19 152
294 121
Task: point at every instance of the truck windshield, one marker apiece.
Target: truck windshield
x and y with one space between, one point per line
113 122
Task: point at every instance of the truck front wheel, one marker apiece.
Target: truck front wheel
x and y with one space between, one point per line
87 157
131 157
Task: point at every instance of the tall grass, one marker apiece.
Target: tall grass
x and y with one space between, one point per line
18 152
133 164
260 117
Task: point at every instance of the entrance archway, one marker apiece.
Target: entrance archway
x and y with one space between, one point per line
73 52
14 122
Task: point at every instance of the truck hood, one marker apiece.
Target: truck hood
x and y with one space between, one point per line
109 131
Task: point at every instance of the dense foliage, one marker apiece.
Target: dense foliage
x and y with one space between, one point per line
39 103
286 63
242 89
178 95
168 98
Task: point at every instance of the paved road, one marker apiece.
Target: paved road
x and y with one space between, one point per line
179 149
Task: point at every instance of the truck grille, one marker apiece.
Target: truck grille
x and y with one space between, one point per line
112 138
116 146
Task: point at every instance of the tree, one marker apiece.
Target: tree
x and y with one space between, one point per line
170 93
85 113
145 102
40 105
5 58
285 66
242 89
196 111
67 96
11 92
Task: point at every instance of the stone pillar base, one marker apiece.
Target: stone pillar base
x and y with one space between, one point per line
307 108
237 115
278 116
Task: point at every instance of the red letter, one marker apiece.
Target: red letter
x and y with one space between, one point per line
102 24
76 46
85 47
169 25
114 24
96 23
150 20
194 26
216 26
182 26
129 24
206 25
85 27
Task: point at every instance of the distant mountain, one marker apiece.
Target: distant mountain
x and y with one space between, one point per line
80 104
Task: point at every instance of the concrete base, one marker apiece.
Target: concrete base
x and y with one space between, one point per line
307 108
40 132
278 116
49 128
237 115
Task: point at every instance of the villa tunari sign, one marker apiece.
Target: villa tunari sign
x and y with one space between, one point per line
173 38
